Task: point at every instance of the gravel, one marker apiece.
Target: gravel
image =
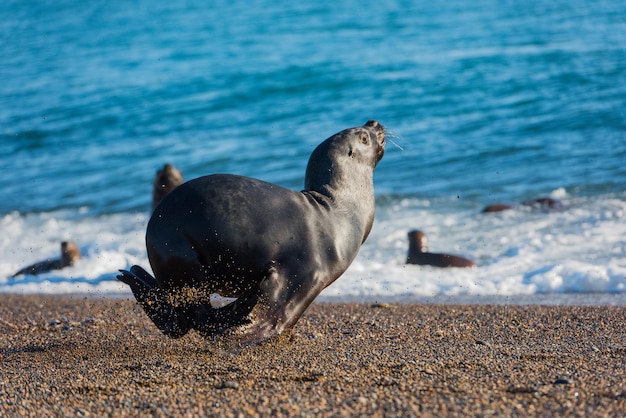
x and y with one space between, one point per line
75 356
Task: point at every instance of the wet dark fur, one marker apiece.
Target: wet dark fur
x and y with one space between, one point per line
271 248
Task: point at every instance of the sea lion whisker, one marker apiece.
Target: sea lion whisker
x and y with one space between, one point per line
389 134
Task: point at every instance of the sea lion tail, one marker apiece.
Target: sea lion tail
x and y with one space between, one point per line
19 273
168 319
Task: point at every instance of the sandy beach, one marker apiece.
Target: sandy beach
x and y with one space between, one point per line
76 356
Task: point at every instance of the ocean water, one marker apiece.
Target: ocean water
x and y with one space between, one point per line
487 102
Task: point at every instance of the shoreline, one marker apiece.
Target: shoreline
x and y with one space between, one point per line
89 356
541 299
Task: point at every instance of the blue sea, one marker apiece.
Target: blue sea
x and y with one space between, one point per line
486 101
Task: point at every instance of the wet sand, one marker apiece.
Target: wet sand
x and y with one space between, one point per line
74 356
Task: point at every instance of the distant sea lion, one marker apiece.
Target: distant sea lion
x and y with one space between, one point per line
541 202
544 203
497 207
166 180
418 254
69 255
272 248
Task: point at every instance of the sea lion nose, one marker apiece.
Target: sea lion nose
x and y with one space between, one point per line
379 129
374 124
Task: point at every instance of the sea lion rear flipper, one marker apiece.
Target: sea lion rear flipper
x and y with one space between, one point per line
134 281
280 304
153 300
23 271
140 273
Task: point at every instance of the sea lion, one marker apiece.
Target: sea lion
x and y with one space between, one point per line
69 255
497 207
272 248
166 180
547 203
418 254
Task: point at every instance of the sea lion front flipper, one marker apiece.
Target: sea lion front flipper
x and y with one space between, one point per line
170 320
281 303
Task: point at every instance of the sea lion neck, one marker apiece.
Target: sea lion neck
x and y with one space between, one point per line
342 183
69 253
418 243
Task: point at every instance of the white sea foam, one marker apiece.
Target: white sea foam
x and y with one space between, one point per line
519 252
107 243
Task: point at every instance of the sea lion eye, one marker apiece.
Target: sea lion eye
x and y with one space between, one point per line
364 138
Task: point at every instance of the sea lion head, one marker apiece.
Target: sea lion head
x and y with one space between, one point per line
69 253
418 241
346 159
166 180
